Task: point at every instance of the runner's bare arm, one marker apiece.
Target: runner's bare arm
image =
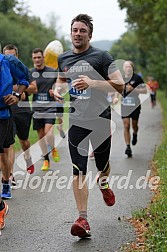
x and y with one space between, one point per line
140 89
32 89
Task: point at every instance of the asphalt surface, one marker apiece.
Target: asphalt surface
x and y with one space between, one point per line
41 213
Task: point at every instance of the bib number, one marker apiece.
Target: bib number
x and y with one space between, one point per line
42 98
81 94
128 101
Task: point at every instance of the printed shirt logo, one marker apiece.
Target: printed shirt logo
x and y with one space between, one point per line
132 82
85 67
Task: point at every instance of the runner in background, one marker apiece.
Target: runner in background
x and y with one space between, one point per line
21 120
153 85
130 106
44 112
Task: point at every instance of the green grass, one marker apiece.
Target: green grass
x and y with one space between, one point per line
155 215
157 232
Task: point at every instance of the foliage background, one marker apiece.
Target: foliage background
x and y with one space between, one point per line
145 42
18 27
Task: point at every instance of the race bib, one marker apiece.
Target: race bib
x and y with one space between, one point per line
128 101
80 94
42 98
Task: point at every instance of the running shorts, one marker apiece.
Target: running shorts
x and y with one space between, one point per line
6 133
98 132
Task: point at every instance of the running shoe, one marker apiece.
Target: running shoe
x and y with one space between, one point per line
3 213
108 195
81 228
45 166
31 169
134 139
29 165
55 155
6 191
128 152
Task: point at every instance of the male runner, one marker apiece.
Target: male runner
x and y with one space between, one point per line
43 117
21 120
131 107
90 74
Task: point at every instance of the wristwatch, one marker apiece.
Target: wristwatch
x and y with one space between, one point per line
17 95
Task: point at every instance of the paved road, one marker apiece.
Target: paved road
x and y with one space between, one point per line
40 220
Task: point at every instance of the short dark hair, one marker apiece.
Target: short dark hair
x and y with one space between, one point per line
10 47
36 50
85 19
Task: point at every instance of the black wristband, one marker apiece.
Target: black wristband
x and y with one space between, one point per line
17 95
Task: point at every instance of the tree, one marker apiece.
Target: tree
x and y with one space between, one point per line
7 6
128 48
148 19
26 32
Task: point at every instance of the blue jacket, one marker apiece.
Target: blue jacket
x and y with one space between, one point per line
10 68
